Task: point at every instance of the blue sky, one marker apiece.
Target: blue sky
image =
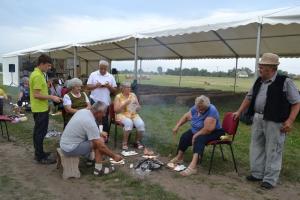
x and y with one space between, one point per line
27 23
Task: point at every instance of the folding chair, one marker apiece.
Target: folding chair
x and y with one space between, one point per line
230 127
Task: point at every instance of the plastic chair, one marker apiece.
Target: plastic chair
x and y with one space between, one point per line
230 127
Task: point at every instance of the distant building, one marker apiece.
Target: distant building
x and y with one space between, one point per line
242 74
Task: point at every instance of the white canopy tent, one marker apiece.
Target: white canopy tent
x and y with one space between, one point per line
277 31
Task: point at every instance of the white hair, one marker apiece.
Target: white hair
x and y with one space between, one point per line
203 100
74 82
25 79
104 63
126 84
98 107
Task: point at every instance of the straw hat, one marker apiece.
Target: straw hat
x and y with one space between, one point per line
269 59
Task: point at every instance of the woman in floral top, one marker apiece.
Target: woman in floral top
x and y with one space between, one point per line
126 106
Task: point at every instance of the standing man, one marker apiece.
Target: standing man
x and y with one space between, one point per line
274 103
102 84
39 105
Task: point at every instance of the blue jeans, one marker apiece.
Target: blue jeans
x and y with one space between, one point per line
200 142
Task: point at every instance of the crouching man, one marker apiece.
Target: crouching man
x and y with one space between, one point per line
82 136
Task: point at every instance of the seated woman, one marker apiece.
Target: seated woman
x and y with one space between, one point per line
205 127
24 96
74 100
55 89
126 106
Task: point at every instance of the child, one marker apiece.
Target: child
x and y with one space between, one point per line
2 96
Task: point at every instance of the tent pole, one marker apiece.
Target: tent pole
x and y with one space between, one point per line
235 74
86 67
180 68
135 58
109 68
140 78
75 62
259 29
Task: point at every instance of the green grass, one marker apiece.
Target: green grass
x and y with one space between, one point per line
160 119
209 83
132 188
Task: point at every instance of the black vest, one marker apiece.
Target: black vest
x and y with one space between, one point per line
277 108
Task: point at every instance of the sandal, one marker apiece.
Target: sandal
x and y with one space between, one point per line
108 169
188 172
139 145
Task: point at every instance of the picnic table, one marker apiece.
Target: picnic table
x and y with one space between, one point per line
4 119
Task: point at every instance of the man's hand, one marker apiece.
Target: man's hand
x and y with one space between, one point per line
56 99
117 158
98 85
286 126
107 85
236 115
104 134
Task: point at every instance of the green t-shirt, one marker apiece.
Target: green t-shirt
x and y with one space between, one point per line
37 81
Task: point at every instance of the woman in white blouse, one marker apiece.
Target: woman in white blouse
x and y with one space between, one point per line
74 100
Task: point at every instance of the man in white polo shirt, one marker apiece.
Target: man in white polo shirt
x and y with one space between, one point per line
102 84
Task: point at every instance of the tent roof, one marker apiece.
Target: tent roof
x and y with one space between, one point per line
193 39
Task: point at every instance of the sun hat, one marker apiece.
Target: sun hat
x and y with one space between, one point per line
269 59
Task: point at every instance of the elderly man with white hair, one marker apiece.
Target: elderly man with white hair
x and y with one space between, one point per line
102 84
74 100
205 127
82 136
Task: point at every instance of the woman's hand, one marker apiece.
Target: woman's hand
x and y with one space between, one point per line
138 107
127 102
175 130
194 138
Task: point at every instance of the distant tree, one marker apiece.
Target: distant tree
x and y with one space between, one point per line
159 70
140 71
279 71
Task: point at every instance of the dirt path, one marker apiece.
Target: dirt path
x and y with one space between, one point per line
214 187
23 179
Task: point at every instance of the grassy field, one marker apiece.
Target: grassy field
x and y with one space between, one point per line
160 119
209 83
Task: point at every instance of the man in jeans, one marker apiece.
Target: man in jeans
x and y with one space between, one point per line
39 105
274 103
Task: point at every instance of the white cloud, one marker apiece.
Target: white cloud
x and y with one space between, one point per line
85 28
73 29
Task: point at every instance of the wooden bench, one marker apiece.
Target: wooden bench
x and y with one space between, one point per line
69 165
